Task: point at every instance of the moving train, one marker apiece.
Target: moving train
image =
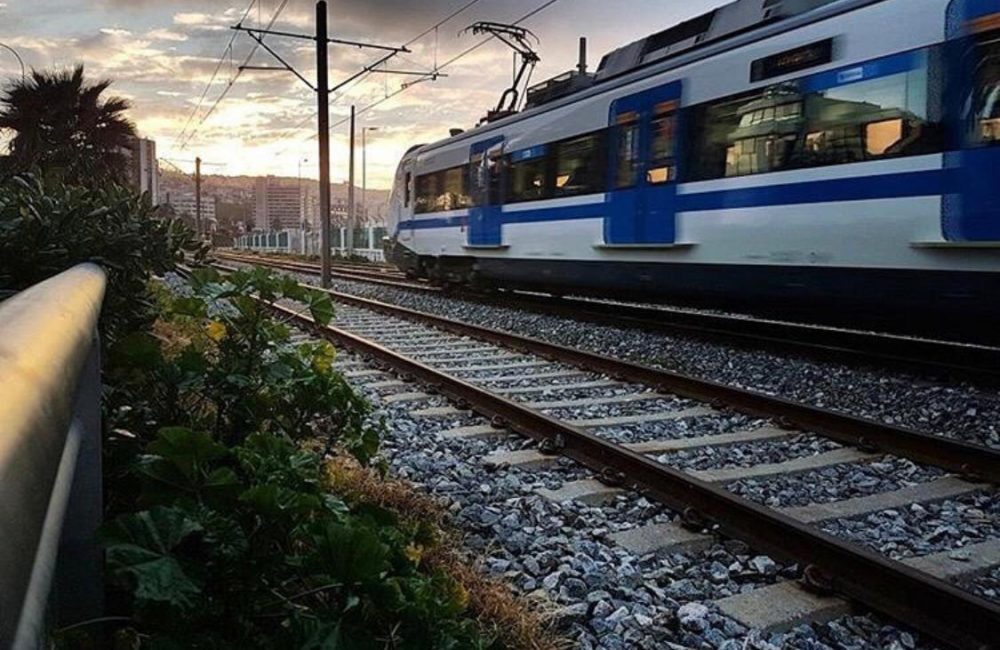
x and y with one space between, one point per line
841 155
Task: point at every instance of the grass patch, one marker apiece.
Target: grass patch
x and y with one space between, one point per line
518 622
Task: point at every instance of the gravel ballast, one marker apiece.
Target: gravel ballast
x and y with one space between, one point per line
950 409
606 597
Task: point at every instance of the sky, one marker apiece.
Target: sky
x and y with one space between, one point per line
162 54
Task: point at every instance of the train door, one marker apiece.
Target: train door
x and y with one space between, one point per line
643 168
486 213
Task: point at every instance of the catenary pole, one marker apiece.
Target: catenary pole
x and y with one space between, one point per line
351 215
197 198
323 98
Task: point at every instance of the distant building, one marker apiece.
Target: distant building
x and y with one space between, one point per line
279 204
144 169
185 205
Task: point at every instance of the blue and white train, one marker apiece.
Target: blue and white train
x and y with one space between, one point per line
836 154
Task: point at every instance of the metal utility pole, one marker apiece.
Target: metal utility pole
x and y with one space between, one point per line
350 193
322 90
323 98
197 198
364 171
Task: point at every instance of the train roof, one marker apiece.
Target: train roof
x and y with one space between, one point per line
728 27
715 26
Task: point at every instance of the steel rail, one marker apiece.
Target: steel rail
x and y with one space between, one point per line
923 601
973 361
305 267
975 461
934 606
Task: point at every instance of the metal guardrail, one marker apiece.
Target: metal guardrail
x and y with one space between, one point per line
50 456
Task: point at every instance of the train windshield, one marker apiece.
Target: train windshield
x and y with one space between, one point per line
983 107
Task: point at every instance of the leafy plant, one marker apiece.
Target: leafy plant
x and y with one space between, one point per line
233 370
47 227
246 547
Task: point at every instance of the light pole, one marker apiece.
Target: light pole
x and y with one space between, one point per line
16 56
364 172
302 208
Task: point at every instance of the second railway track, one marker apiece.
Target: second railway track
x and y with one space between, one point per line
950 358
669 436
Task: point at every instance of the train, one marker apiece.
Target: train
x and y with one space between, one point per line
840 156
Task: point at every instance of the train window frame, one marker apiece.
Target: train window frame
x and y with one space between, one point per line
664 112
975 125
797 138
431 190
627 177
424 195
537 160
594 180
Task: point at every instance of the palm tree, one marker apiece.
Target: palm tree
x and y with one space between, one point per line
61 126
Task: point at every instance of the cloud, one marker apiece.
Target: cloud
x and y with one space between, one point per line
166 35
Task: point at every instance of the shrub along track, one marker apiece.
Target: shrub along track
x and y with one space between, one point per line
913 592
976 362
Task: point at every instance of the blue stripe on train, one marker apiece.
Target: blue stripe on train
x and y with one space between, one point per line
886 186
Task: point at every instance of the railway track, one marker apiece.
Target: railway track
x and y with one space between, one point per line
948 358
686 442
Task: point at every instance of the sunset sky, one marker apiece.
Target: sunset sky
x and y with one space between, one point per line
162 54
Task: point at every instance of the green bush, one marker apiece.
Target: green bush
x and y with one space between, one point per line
46 228
237 371
246 548
230 535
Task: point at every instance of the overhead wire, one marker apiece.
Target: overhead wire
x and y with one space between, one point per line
361 78
222 59
235 77
444 65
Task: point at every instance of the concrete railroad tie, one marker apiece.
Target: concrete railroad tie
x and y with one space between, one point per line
530 458
591 491
671 538
785 605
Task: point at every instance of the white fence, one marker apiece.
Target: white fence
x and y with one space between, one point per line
367 242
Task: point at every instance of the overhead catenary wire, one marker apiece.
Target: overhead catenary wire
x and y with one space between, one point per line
368 70
227 52
430 74
449 62
235 77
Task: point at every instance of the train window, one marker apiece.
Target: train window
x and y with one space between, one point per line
426 193
984 105
495 171
812 123
478 180
442 191
452 193
877 118
406 190
528 176
662 166
746 134
627 150
578 165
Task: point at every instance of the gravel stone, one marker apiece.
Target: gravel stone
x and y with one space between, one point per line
835 483
923 529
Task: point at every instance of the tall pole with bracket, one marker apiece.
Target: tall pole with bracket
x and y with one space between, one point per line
322 90
197 198
323 100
